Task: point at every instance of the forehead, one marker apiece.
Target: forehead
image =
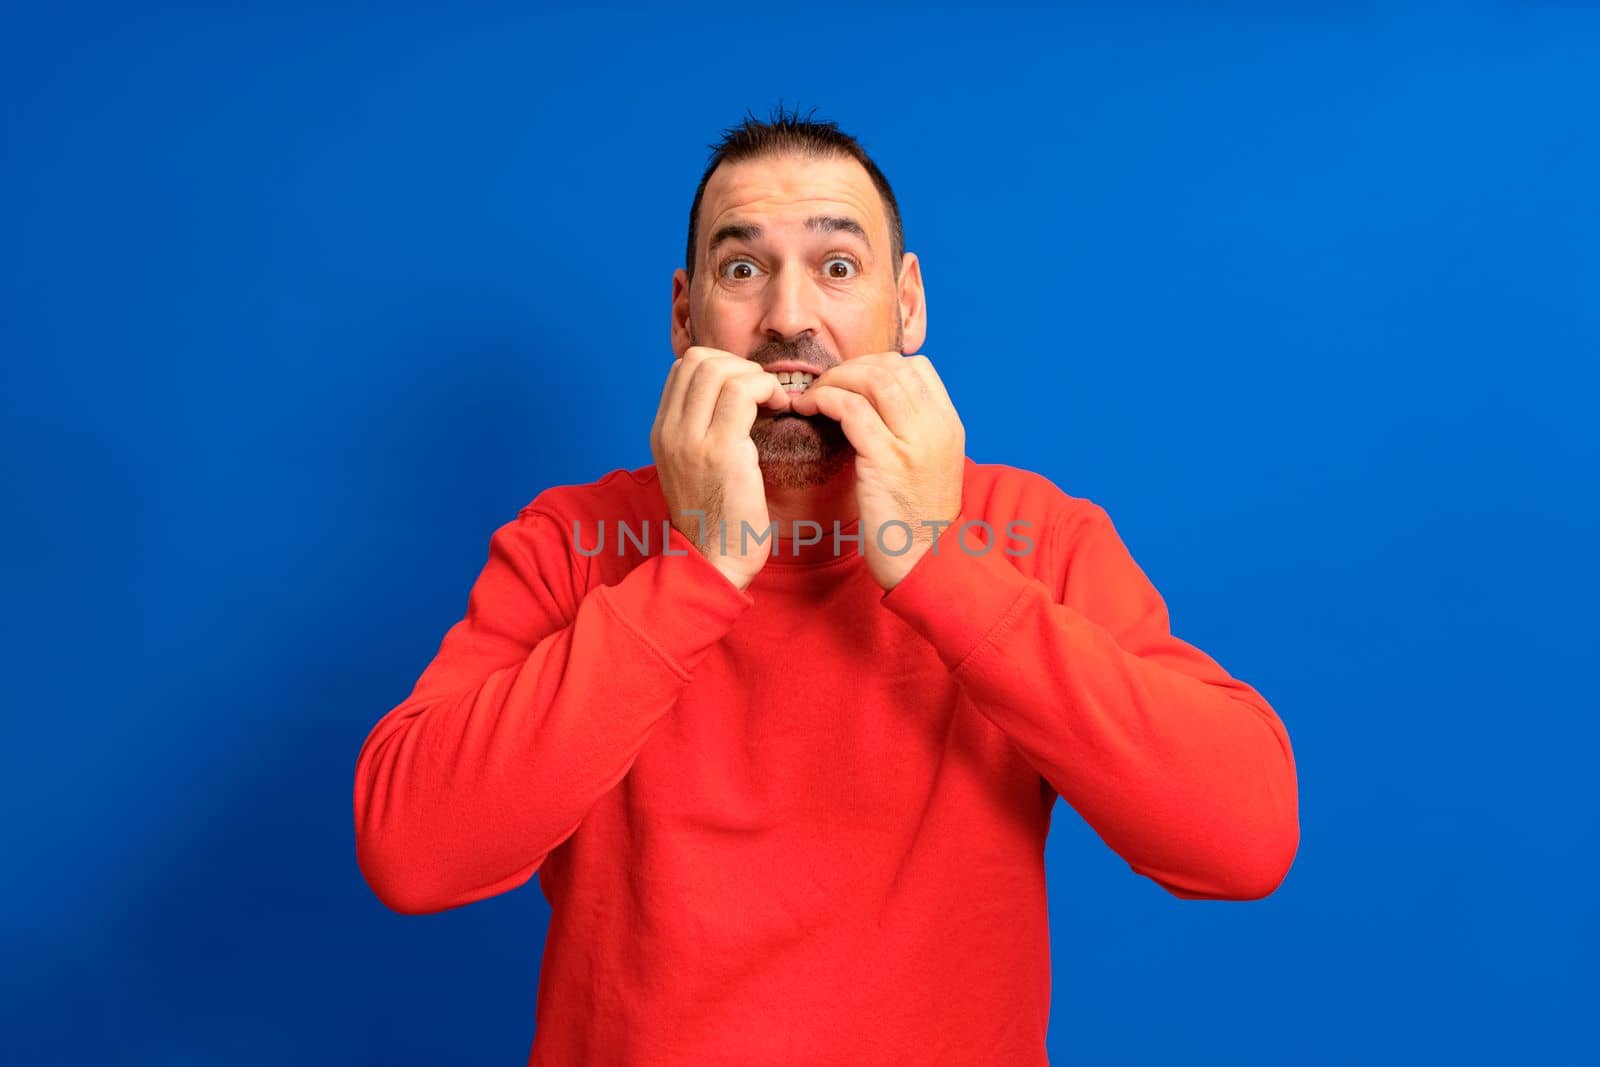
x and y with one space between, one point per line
789 188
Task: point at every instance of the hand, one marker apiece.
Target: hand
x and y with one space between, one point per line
910 452
706 459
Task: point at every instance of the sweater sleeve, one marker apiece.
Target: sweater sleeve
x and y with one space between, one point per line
1184 771
535 705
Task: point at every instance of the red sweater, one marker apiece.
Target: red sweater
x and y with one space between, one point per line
805 823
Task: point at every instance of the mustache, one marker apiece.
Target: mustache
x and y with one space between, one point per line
803 349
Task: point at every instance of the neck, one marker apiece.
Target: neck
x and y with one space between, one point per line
833 501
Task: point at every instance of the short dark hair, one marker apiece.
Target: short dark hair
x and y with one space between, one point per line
782 133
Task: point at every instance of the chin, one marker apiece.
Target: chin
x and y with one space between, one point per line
800 451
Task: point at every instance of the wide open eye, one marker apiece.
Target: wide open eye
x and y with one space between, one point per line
731 269
852 268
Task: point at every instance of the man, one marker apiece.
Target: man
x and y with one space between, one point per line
780 720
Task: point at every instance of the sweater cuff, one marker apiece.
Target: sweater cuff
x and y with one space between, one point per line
678 603
956 595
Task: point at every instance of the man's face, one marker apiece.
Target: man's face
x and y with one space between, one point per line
793 271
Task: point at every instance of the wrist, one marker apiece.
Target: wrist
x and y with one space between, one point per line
739 577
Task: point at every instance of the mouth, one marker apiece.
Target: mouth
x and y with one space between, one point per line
795 377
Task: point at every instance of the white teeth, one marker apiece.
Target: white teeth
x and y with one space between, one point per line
795 378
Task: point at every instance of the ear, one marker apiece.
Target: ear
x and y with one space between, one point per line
913 305
680 311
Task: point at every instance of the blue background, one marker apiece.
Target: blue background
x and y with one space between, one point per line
298 308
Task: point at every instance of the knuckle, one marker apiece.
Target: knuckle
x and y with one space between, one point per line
697 356
701 377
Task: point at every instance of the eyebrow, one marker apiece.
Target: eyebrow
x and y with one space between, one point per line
750 232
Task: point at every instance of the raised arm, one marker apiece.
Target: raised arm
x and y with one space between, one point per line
539 701
1183 770
535 706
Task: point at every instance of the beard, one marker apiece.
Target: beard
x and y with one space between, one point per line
800 451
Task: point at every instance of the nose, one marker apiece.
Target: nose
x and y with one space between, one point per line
791 307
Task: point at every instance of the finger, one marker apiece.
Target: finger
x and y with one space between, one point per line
929 384
677 384
892 361
740 400
705 384
668 391
860 421
879 383
756 387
